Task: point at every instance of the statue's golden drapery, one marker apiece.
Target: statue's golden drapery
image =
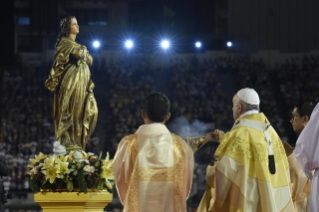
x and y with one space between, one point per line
75 108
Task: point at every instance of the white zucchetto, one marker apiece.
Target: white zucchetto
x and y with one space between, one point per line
248 95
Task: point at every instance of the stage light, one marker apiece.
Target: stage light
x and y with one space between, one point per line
198 44
229 44
165 44
96 44
129 44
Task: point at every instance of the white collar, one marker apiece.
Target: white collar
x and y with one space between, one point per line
249 112
156 123
152 129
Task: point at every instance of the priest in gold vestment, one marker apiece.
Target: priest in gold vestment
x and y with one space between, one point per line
153 168
251 170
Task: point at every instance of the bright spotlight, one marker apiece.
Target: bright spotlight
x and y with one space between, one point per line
229 44
198 44
165 44
129 44
96 44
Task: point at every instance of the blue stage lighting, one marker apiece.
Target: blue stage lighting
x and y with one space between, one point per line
198 44
129 44
165 44
229 44
96 44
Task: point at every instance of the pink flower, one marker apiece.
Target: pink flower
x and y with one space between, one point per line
88 168
36 169
92 169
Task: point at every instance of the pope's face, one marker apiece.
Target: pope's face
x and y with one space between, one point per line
236 107
74 27
298 123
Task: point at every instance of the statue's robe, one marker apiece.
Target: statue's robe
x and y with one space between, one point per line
75 108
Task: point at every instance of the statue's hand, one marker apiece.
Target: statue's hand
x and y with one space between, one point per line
52 83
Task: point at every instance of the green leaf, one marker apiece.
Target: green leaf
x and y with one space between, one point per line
70 186
45 181
101 184
78 166
100 156
97 164
75 173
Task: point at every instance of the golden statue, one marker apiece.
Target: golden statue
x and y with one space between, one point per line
75 108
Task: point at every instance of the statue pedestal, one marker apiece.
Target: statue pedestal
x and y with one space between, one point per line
73 201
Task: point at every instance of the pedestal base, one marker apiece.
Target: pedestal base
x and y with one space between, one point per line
73 201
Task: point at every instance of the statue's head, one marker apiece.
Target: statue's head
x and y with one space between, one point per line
66 28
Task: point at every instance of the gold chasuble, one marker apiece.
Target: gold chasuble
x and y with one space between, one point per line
153 170
300 184
240 179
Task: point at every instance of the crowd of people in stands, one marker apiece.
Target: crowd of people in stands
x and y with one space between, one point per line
128 84
299 79
26 120
198 94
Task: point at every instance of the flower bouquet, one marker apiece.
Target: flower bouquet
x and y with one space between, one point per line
76 170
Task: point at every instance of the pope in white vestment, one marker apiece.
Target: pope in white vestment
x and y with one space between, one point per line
153 168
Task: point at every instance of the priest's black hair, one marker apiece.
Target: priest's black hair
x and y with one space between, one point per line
305 108
156 105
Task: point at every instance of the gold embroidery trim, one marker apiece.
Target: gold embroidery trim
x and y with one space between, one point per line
132 200
179 172
156 174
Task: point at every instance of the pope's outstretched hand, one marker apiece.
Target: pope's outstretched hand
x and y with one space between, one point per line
217 135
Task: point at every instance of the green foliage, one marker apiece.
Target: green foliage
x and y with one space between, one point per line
70 186
101 184
97 164
34 184
81 182
78 166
